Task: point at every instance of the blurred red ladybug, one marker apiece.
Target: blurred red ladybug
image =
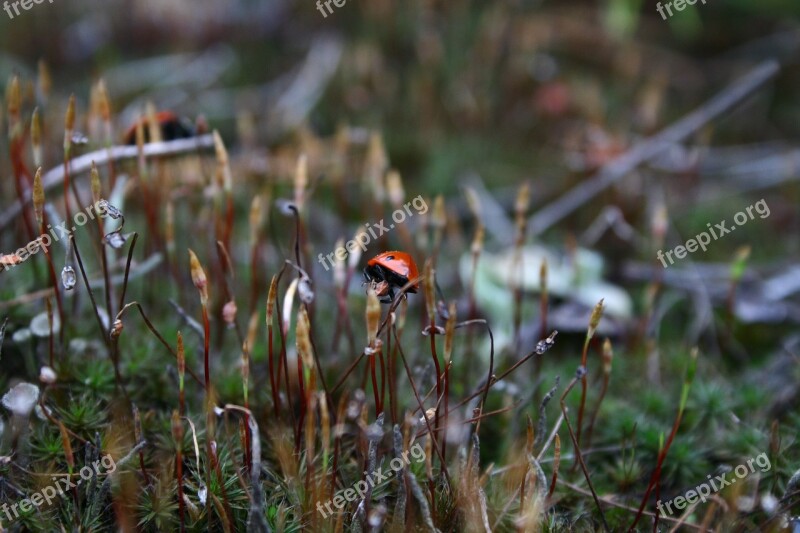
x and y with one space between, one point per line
172 127
392 271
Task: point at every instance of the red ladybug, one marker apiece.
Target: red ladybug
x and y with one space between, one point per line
392 270
172 127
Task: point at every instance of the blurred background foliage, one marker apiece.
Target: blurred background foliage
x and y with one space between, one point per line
498 88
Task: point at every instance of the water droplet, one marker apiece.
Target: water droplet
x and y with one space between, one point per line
116 240
68 278
79 138
305 291
104 207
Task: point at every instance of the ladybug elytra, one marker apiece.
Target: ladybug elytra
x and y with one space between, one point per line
392 270
172 127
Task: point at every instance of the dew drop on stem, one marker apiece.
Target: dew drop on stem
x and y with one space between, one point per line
68 278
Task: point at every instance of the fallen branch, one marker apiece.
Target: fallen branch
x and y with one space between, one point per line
651 147
80 165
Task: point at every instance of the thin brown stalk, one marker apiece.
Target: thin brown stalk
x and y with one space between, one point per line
473 201
127 270
517 267
594 321
256 520
305 365
438 221
104 105
383 378
449 338
177 435
478 417
117 330
337 438
430 303
317 363
375 389
103 332
541 347
96 196
38 205
544 304
303 405
256 220
373 350
419 403
70 457
50 340
273 380
69 125
608 500
531 439
228 287
201 284
310 438
386 321
144 183
225 180
654 479
348 371
16 146
390 370
139 437
48 414
556 464
608 356
579 375
283 363
226 505
181 375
